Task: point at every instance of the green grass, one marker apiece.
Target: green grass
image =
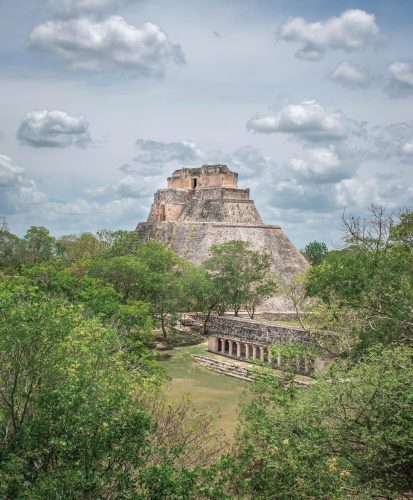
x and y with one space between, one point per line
207 389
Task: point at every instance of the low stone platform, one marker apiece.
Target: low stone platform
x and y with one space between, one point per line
225 368
237 370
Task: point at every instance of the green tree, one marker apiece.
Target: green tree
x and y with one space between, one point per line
121 242
348 436
67 408
127 274
315 251
372 276
11 250
241 276
76 248
81 412
39 246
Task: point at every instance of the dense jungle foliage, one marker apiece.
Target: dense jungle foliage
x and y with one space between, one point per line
82 403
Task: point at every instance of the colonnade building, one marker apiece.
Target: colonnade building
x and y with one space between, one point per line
249 340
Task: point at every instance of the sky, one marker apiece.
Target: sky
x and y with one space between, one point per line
100 100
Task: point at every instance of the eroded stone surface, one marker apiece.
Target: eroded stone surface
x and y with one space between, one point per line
203 206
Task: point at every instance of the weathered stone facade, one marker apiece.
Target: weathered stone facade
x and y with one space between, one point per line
259 332
249 340
204 206
206 194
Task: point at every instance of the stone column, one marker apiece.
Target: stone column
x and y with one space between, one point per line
254 352
269 354
306 366
262 353
222 346
213 344
247 351
279 360
238 349
297 364
230 347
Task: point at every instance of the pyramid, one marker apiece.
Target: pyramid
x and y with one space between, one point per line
204 206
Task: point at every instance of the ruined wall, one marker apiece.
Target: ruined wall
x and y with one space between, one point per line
222 193
253 331
169 204
212 204
235 212
204 177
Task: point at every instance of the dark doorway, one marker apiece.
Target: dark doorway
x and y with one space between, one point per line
194 183
162 215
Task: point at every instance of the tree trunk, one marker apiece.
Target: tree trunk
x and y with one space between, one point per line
163 326
207 316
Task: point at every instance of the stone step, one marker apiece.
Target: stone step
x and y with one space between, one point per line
225 368
233 370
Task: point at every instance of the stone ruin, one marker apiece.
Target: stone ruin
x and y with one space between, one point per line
204 206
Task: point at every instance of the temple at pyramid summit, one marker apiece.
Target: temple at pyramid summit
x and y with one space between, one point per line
203 206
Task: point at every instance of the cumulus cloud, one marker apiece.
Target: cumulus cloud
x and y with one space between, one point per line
69 8
158 158
392 190
395 140
24 204
127 168
350 75
351 30
53 129
306 120
250 162
407 148
158 152
321 165
291 193
17 193
131 186
401 81
83 44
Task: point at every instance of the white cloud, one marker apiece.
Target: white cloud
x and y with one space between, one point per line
391 190
293 194
407 148
157 158
350 75
307 120
17 193
401 81
53 129
159 153
250 163
24 204
131 186
395 141
322 165
353 29
75 7
83 44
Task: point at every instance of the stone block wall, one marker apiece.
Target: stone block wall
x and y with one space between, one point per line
219 210
258 332
203 177
193 240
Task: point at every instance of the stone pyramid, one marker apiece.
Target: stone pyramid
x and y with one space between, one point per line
202 206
